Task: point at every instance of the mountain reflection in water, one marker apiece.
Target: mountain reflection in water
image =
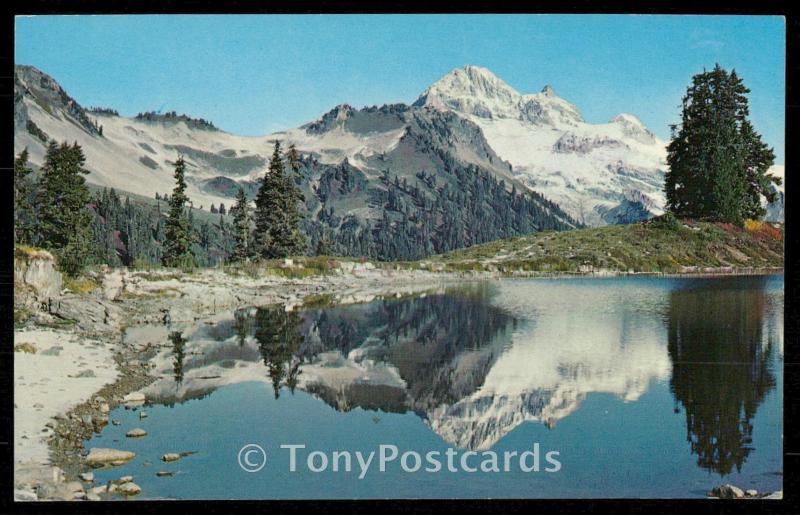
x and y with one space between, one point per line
476 362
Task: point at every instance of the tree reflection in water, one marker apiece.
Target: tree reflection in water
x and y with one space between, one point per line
178 344
721 370
278 337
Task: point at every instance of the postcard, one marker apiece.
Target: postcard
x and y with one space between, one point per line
412 256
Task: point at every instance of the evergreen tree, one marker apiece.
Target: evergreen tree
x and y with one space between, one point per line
291 239
758 158
241 227
293 156
277 218
221 208
63 221
324 247
178 227
267 215
717 161
23 210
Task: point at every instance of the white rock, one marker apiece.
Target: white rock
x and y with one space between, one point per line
171 456
113 284
25 495
136 433
727 491
129 489
37 270
125 479
134 397
99 456
87 476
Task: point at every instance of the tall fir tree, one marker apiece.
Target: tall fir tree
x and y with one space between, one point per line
293 156
267 213
241 228
291 237
717 161
277 218
23 210
63 223
178 243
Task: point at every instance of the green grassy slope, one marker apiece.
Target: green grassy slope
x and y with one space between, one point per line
643 247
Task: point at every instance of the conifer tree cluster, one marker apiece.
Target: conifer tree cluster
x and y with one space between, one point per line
133 233
52 212
717 161
277 216
418 214
23 207
55 210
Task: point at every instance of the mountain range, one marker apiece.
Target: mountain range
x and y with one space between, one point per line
470 160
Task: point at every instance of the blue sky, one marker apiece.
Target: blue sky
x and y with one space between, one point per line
258 74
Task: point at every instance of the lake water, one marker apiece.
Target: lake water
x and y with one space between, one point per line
646 387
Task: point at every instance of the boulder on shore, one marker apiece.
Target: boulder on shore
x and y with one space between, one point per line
727 492
99 457
129 488
134 398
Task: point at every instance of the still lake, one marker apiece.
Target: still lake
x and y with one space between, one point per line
646 387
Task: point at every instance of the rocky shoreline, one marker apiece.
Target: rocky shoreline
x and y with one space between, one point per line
50 458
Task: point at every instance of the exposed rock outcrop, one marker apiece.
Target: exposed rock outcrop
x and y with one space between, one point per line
36 280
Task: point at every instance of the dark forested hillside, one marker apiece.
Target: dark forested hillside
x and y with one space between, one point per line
423 216
131 233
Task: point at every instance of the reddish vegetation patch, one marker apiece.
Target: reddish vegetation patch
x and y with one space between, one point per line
768 231
728 227
763 230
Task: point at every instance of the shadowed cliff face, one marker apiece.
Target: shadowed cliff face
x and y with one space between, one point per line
721 372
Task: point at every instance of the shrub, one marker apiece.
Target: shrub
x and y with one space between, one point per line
25 347
79 285
753 225
667 221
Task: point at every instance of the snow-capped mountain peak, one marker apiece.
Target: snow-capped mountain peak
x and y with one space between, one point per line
592 170
479 92
471 89
633 127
